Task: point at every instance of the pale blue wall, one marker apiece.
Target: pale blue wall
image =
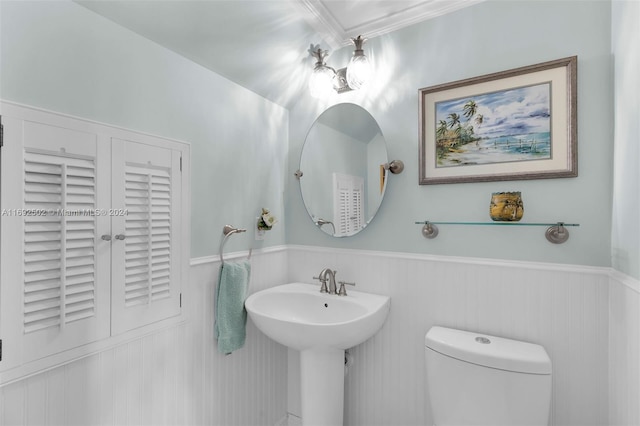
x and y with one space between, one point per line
62 57
489 37
625 31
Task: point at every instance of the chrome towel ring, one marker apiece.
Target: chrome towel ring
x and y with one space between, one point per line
228 231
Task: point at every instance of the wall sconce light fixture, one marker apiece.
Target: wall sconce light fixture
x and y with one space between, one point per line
352 77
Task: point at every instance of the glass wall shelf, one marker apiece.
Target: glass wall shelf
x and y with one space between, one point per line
556 233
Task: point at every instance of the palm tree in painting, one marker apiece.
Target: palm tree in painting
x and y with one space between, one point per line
469 109
441 131
457 129
454 120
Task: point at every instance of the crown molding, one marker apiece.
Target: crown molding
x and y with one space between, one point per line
318 14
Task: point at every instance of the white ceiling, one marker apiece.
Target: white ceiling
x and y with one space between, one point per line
260 43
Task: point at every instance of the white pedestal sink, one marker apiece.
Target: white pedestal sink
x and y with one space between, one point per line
321 327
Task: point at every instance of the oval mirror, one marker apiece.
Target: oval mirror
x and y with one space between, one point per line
343 170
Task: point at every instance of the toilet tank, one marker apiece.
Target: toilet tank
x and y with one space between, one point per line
477 379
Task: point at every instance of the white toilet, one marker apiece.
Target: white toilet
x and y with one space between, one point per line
475 379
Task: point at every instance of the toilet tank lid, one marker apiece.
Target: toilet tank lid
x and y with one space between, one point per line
489 351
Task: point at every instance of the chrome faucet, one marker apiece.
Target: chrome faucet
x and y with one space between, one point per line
327 275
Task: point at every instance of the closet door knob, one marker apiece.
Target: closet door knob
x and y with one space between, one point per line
106 237
120 237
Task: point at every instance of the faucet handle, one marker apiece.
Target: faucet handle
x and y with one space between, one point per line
343 291
323 287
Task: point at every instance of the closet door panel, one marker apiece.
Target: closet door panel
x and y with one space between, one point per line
146 273
52 248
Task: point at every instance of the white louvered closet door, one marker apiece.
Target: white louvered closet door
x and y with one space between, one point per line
145 250
51 245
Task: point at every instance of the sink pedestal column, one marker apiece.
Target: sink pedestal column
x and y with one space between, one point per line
322 386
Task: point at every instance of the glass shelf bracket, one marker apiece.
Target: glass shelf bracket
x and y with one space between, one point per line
556 233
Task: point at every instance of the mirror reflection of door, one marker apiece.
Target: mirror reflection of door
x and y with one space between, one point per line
348 211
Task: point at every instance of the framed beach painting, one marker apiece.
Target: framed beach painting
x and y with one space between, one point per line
510 125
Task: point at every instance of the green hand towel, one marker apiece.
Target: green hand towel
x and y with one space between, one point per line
231 316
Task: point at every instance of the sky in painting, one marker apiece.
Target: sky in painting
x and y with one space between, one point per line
516 111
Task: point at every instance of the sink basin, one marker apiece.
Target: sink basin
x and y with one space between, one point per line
297 315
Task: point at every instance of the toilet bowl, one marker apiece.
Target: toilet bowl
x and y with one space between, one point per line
477 379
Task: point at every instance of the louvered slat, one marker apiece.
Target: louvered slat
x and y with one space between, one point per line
356 209
137 243
148 227
160 255
80 251
59 252
344 212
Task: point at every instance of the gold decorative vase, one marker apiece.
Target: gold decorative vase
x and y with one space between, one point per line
506 206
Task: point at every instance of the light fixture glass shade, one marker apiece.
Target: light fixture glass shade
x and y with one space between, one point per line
321 82
359 71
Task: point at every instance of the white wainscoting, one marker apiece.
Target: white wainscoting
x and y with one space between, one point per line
588 319
171 377
562 307
247 387
624 350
